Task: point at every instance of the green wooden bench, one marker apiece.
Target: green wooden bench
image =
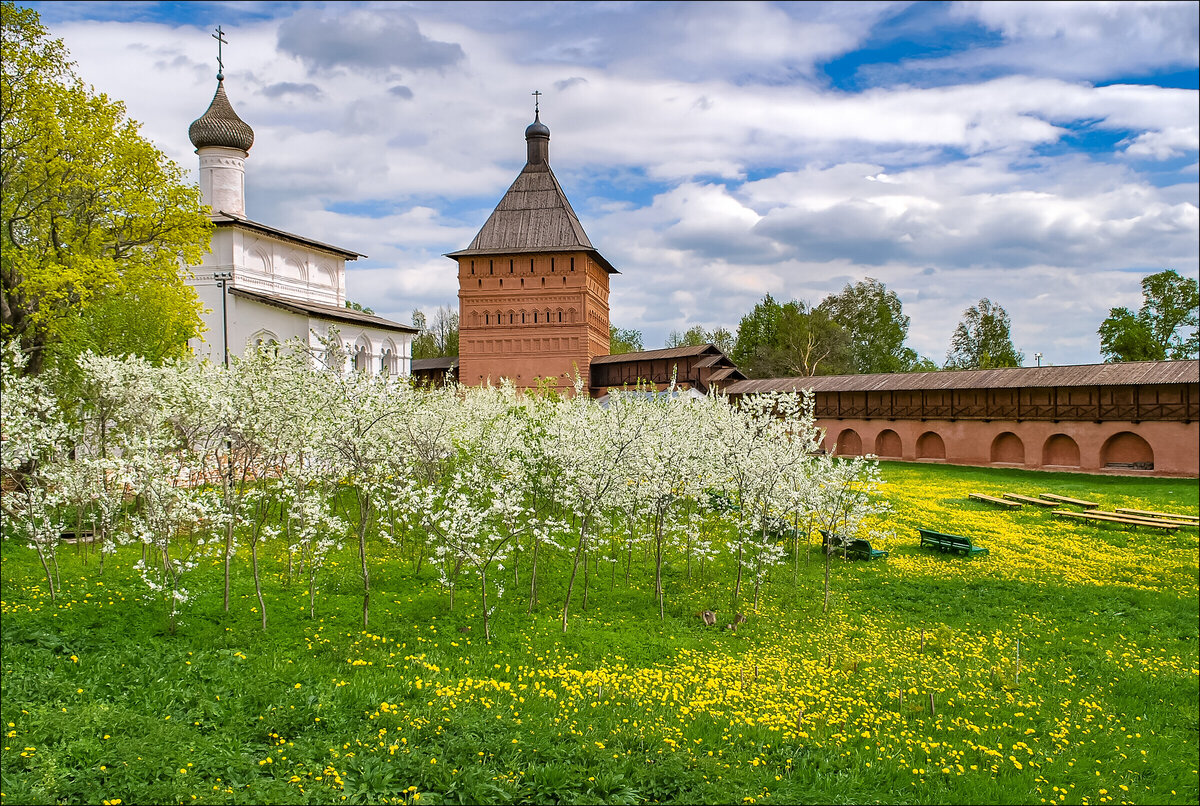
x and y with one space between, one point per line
956 544
856 549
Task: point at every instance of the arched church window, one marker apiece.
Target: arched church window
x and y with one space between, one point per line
502 282
564 279
481 283
522 282
491 267
522 317
543 282
572 264
510 266
487 319
552 265
535 317
560 314
510 317
531 265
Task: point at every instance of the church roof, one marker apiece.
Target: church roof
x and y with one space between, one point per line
220 125
324 311
533 216
1121 374
224 219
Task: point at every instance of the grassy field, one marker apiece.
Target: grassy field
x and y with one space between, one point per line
909 690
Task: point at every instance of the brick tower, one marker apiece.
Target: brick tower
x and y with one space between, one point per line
532 290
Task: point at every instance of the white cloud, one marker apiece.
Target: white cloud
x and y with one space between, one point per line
720 169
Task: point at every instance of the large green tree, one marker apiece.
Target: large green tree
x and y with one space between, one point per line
983 339
872 316
791 339
623 340
696 336
96 222
1160 329
439 338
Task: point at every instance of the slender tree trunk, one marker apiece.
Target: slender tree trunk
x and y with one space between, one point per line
586 556
487 630
262 606
828 557
364 510
574 569
49 576
533 577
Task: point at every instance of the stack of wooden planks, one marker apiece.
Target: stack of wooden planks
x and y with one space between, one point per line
1121 518
1075 502
991 499
1025 499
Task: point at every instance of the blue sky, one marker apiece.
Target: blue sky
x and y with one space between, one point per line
1043 155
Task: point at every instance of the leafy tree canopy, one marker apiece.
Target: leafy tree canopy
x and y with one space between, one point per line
871 315
95 222
696 336
439 338
1160 329
776 340
624 340
983 339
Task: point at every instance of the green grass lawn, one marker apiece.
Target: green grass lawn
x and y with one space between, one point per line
100 704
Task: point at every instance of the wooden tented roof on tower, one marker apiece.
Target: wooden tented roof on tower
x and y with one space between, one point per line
533 216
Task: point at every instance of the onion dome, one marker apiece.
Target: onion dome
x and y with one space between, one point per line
537 128
220 125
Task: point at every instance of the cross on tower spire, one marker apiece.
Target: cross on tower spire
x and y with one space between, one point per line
537 97
221 40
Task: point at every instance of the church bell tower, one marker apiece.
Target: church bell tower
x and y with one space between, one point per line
532 290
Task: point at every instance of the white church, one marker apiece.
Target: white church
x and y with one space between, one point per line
263 285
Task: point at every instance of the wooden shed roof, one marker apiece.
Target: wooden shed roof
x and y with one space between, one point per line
1124 374
659 355
533 216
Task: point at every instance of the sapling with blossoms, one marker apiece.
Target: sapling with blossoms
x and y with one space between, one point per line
593 447
356 408
36 439
845 497
172 522
670 468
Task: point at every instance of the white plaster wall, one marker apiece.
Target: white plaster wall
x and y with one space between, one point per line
223 179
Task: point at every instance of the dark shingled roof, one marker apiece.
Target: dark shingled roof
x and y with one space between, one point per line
446 363
533 216
1126 374
324 311
656 355
220 125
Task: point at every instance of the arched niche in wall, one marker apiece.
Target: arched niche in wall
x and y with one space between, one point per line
294 267
1008 449
361 352
323 275
931 446
888 444
1060 451
259 260
263 338
849 443
1127 450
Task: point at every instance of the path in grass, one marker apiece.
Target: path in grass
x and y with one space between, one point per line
99 704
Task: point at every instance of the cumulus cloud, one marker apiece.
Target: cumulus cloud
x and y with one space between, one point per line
282 88
363 39
1093 41
706 160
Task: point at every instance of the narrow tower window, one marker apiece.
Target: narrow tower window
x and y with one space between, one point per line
510 267
572 264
